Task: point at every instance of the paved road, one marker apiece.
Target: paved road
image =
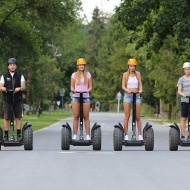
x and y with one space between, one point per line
48 167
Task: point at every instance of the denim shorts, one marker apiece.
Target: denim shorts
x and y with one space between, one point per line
129 98
77 99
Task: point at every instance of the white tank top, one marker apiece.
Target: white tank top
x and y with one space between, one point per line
132 82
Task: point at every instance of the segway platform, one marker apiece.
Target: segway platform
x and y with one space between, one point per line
133 143
148 133
26 140
66 138
174 138
66 133
12 143
81 142
174 134
148 136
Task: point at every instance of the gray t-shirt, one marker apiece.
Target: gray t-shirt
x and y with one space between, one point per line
185 88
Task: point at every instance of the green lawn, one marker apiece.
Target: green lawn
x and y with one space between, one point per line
45 119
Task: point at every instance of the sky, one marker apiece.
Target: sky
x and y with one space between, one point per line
104 5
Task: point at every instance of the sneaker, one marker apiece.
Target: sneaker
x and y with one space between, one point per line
188 138
74 137
126 138
140 138
5 138
182 138
88 137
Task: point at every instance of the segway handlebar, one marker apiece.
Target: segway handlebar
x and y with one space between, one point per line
136 92
81 92
9 90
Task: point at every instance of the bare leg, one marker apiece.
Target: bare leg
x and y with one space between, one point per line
76 111
6 124
127 108
138 118
86 110
18 123
183 125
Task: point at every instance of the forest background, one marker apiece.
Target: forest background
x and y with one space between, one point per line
47 37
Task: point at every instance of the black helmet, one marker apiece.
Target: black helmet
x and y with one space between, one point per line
11 60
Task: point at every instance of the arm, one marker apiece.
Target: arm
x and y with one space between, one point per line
140 83
124 80
22 85
180 92
2 88
89 85
72 87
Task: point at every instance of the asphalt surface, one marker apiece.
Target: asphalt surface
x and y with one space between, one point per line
48 167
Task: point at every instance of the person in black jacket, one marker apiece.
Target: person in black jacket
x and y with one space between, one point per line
16 82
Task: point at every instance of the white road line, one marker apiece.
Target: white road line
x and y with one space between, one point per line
86 152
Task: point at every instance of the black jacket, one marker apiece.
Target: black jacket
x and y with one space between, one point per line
11 83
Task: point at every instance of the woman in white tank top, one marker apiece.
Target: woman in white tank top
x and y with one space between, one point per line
131 82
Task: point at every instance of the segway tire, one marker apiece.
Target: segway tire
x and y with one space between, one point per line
97 139
1 138
28 139
149 139
173 139
117 139
65 138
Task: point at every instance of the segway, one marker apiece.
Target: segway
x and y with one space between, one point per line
174 135
27 133
66 133
148 133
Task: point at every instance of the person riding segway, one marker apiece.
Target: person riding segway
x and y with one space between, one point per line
132 85
12 84
174 132
81 85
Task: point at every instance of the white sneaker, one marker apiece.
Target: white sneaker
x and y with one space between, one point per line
140 137
126 138
88 137
74 137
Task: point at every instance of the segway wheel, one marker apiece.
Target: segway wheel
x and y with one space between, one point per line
149 139
65 138
28 139
1 137
97 139
117 139
173 139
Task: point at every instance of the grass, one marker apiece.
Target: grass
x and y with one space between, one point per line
45 119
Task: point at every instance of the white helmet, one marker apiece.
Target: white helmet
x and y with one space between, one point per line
186 64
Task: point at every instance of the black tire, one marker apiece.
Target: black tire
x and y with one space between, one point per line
97 139
149 139
65 138
173 139
28 139
117 139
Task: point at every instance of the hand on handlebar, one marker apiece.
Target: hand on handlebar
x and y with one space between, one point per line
3 89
